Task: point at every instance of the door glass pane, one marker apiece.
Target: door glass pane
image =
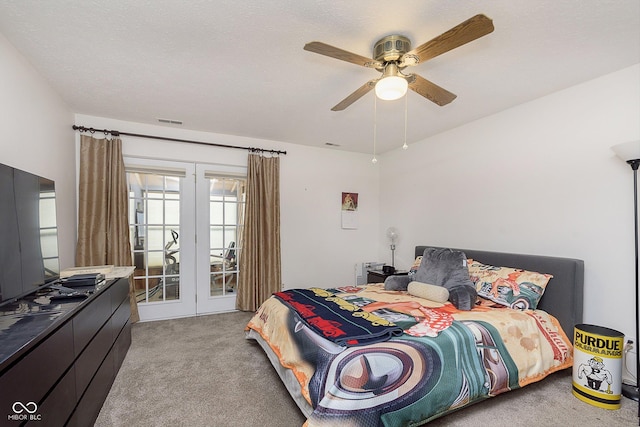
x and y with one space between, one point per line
155 224
230 212
172 186
226 202
216 212
172 212
215 238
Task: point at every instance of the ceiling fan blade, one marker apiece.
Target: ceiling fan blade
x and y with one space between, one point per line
357 94
469 30
431 91
343 55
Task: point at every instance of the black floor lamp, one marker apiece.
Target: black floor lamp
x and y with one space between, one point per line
630 152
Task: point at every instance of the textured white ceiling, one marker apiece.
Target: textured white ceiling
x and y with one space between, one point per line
238 67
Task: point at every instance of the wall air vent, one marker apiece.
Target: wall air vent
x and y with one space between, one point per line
170 122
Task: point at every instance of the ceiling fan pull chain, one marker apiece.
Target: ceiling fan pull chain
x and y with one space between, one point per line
406 96
375 116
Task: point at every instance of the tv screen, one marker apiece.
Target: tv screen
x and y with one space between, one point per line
28 233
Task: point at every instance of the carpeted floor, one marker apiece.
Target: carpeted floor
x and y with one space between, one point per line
201 371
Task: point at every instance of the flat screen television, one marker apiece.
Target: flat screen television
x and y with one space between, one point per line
28 233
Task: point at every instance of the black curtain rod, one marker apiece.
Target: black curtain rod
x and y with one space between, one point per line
164 138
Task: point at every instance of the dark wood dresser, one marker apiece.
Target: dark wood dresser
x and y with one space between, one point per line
67 357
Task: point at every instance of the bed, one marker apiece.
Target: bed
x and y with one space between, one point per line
390 358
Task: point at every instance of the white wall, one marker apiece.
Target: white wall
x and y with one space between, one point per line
37 137
323 253
539 179
316 251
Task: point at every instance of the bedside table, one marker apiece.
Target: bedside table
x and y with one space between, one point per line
378 276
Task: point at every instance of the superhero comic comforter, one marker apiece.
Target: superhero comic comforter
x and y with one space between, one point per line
365 356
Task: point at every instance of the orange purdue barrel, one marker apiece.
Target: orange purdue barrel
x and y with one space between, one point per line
597 365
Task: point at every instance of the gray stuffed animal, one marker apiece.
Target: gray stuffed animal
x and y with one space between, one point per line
441 267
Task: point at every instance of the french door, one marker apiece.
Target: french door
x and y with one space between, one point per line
220 201
185 227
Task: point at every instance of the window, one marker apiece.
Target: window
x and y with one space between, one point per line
154 217
226 211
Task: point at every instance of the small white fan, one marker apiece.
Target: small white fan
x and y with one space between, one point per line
393 236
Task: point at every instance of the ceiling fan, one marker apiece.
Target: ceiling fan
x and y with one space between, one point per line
393 53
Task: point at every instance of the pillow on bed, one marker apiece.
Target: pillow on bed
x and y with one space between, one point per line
448 268
511 287
415 266
427 291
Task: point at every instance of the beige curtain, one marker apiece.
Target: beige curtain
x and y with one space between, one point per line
103 222
260 274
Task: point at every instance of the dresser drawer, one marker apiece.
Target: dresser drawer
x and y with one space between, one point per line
119 293
56 408
90 319
90 359
31 378
91 402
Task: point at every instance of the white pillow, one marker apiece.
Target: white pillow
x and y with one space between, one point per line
427 291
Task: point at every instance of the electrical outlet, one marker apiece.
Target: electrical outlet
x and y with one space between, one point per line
629 362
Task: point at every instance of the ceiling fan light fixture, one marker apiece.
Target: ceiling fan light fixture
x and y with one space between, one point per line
393 53
391 87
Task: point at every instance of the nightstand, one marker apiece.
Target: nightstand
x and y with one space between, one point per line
378 276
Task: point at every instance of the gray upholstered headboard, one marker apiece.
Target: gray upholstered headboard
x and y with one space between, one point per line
564 294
